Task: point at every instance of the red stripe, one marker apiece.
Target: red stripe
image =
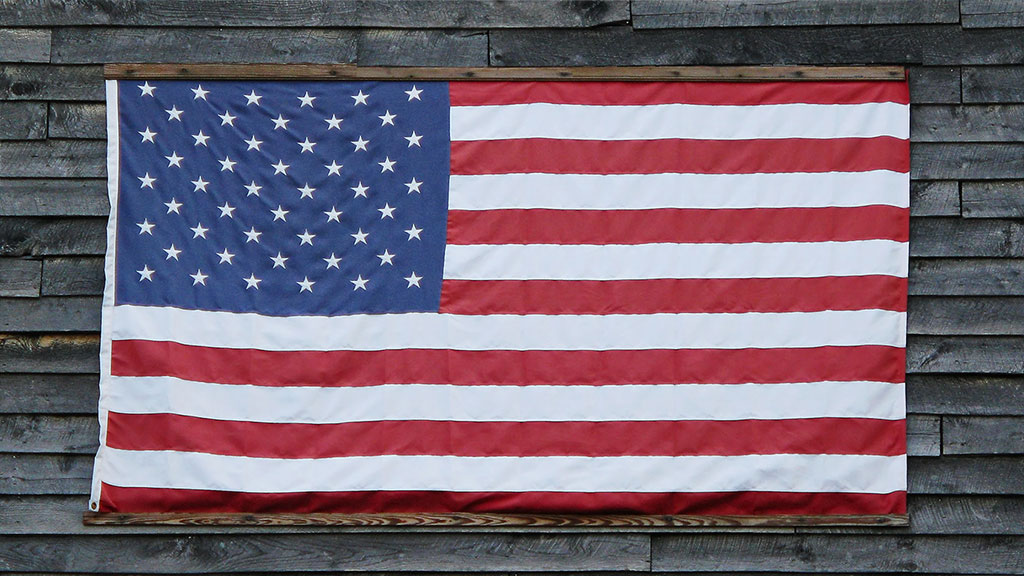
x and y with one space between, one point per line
710 93
691 226
725 295
477 439
555 156
118 499
506 367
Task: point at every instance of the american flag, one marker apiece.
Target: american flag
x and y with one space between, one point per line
646 297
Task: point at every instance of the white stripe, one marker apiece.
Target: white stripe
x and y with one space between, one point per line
539 403
510 332
653 261
646 191
691 121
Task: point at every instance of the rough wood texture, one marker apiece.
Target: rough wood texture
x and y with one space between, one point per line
64 314
421 48
967 123
53 197
71 120
958 237
934 198
48 394
967 475
930 161
992 84
39 82
993 199
53 158
966 515
47 236
49 354
72 277
44 474
992 13
24 45
934 85
924 435
963 277
965 354
974 435
317 13
30 434
709 13
20 277
965 394
985 316
22 120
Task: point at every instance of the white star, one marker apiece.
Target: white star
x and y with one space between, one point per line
147 181
200 184
333 168
227 118
307 191
226 210
413 280
145 227
147 135
252 282
225 256
360 237
414 94
199 277
360 144
360 190
199 92
332 262
199 231
280 214
387 211
306 100
172 252
413 186
253 143
252 98
388 165
145 273
254 189
307 146
359 282
306 285
174 114
387 118
414 139
281 167
147 90
252 235
333 214
174 160
414 232
173 206
227 164
200 138
386 258
360 98
279 261
280 122
333 122
306 237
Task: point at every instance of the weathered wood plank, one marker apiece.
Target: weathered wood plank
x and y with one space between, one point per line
22 120
48 393
72 277
982 435
934 161
992 13
421 48
967 394
966 515
53 158
959 277
73 120
993 199
327 553
63 197
924 436
934 85
52 236
959 237
992 84
980 316
30 434
24 44
728 13
992 123
50 354
934 198
59 314
47 82
20 277
44 474
996 475
318 13
965 354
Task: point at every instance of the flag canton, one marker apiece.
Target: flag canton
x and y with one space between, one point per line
282 198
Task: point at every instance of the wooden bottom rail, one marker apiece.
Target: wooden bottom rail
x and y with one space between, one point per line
463 520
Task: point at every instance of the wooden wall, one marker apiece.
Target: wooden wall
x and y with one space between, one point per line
966 319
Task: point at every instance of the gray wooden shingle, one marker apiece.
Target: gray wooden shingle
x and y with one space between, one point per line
24 44
729 13
22 120
992 13
993 199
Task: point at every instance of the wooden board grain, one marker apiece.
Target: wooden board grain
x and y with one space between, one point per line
959 237
983 84
992 13
72 276
50 314
994 199
966 161
934 84
965 354
965 394
49 353
983 435
77 120
53 158
992 475
49 434
991 123
22 120
53 197
20 277
45 474
935 198
48 393
45 82
964 276
24 44
52 236
730 13
959 315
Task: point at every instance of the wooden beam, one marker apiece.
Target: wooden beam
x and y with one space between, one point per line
620 73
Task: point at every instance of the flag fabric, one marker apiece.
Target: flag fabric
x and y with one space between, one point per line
550 297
